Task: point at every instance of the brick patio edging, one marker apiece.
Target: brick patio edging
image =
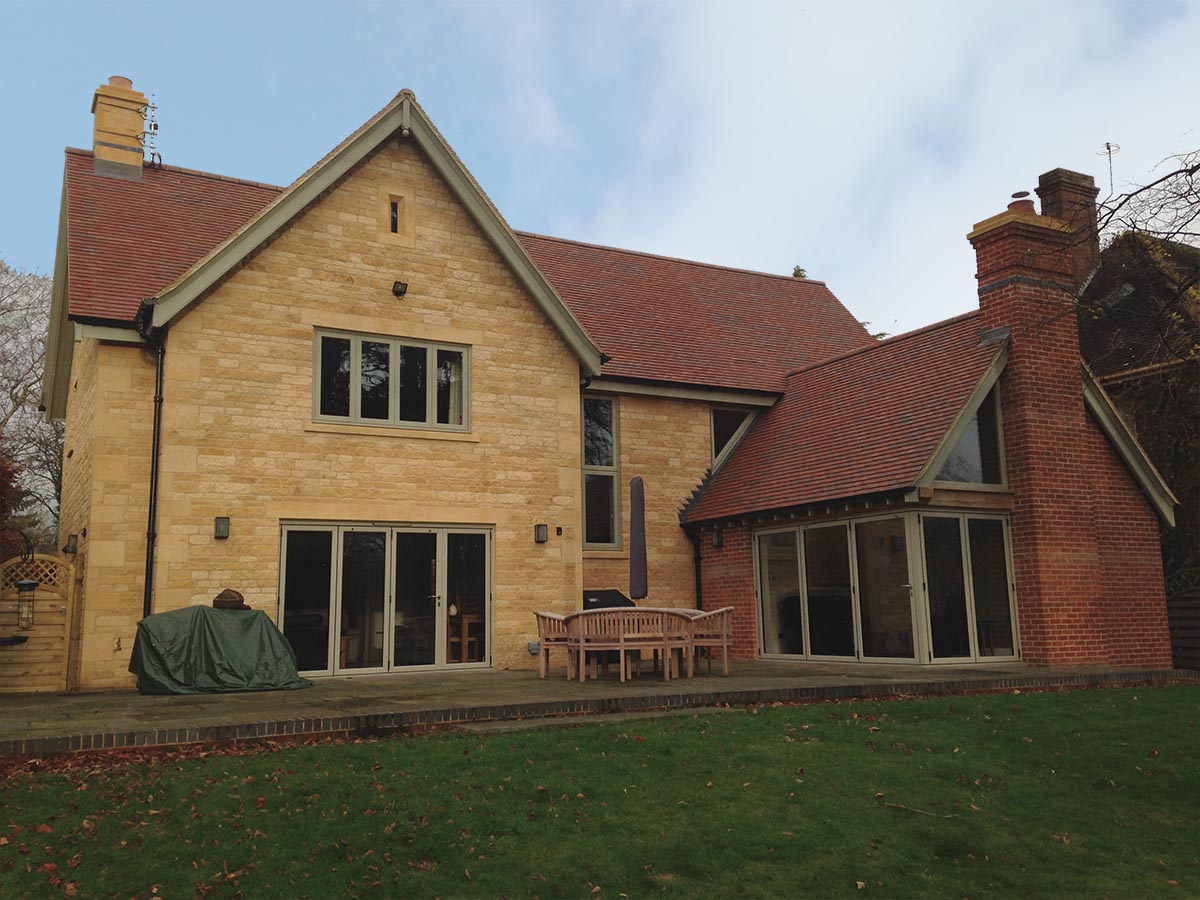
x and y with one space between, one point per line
393 722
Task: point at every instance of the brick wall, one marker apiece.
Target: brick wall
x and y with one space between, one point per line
1078 522
727 573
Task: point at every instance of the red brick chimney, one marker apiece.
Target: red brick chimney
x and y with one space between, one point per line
1027 272
1071 197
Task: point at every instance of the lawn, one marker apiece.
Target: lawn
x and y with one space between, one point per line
1033 795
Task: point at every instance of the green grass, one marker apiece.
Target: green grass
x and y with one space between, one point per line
1034 795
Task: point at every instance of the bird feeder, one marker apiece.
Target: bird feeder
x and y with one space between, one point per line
25 590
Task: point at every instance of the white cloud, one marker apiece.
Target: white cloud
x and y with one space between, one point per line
863 141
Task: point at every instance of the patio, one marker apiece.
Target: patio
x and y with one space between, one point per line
372 704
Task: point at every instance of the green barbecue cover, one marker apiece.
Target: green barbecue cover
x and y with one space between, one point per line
201 650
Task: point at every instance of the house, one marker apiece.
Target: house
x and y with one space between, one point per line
1139 331
400 427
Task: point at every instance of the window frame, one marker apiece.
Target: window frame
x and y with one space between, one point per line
720 457
394 343
1002 485
613 471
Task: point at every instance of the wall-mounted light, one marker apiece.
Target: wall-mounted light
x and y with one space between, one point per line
221 527
399 288
718 538
72 545
25 591
541 534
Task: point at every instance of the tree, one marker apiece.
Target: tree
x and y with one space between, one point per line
1139 327
33 446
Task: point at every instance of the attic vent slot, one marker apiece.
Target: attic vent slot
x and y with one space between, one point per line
394 211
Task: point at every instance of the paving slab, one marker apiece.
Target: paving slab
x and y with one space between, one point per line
372 704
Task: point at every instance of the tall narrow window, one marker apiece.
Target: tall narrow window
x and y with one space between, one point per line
412 384
394 216
335 376
600 472
449 387
375 377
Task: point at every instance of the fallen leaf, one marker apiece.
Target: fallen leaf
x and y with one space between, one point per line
45 829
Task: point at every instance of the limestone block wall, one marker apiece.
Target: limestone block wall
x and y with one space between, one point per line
239 438
669 443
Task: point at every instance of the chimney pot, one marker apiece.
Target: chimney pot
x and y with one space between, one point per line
1024 207
120 81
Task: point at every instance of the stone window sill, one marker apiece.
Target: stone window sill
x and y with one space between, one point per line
384 432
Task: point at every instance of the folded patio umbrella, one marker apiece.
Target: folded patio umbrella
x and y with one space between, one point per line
637 539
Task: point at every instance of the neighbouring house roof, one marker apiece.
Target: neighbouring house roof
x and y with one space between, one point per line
865 422
675 320
659 319
1141 309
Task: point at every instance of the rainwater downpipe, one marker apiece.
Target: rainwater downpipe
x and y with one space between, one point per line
155 339
695 538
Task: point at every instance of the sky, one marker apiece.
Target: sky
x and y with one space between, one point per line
859 140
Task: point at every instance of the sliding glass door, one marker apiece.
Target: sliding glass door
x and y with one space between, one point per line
357 599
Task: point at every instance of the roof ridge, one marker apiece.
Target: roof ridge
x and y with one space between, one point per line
678 259
76 151
886 342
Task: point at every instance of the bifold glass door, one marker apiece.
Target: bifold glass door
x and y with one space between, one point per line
356 599
837 591
969 605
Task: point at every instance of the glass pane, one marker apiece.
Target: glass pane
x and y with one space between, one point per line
412 384
374 383
360 643
335 376
597 432
779 587
307 566
724 423
947 588
449 387
989 440
598 508
989 581
416 602
830 605
976 457
885 601
466 598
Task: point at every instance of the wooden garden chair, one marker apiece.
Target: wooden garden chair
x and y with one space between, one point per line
710 631
552 632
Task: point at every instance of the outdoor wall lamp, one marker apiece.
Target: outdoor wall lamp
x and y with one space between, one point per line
541 534
399 288
718 538
221 528
72 544
25 591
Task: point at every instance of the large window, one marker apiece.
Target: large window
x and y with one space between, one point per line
390 381
600 519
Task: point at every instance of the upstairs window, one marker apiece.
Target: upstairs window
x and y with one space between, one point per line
728 426
977 457
600 454
377 380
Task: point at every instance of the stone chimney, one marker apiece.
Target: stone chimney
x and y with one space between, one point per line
1027 273
120 113
1071 197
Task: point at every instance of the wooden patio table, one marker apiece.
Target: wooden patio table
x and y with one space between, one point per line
626 630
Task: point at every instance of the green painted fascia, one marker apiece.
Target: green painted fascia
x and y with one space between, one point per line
401 115
110 333
60 337
1127 447
962 422
684 392
505 242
